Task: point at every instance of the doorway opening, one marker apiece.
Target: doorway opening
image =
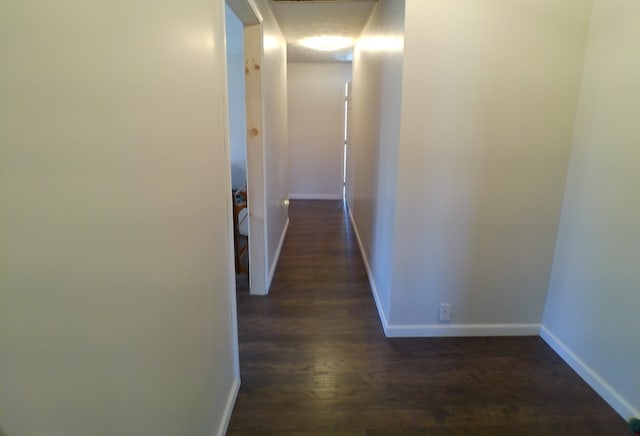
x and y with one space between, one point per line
237 120
244 47
344 146
347 167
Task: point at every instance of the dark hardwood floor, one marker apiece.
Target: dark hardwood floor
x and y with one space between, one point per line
314 359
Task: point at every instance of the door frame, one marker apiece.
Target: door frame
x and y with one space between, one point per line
249 14
349 179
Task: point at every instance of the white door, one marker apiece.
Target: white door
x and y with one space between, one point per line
349 166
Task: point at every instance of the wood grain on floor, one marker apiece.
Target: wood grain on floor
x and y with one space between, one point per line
314 359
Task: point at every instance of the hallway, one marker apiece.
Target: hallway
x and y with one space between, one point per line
314 359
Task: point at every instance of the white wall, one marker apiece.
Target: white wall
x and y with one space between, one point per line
236 89
375 132
490 90
116 302
591 315
274 83
316 128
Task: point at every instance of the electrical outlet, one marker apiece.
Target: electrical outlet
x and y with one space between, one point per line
445 312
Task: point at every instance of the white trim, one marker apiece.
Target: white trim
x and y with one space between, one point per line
276 258
593 379
315 197
372 283
229 201
228 410
438 330
256 10
265 196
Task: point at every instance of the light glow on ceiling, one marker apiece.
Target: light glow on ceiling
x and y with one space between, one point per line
327 42
382 43
269 42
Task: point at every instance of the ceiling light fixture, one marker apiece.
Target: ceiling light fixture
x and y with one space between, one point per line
327 42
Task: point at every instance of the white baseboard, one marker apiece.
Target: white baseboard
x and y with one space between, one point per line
276 258
593 379
372 283
228 410
438 330
315 196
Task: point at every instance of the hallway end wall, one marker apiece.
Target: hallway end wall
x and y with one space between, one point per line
316 128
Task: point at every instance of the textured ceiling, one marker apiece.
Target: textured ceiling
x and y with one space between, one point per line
303 18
